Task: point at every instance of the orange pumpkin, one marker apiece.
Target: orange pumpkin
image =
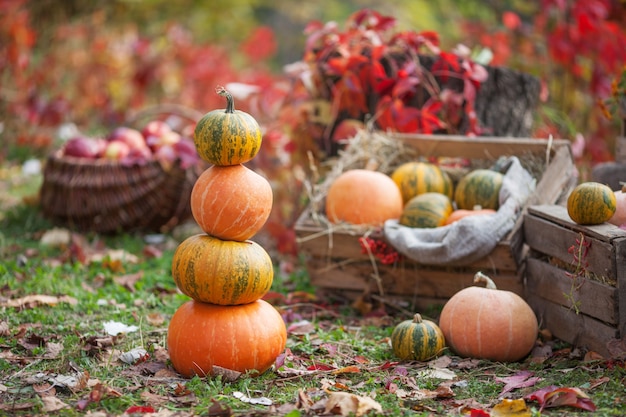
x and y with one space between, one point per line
231 202
488 323
619 217
245 338
459 214
361 196
223 272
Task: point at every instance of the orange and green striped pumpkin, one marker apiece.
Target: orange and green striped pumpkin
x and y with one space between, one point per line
426 210
480 187
415 178
227 136
591 203
417 339
222 272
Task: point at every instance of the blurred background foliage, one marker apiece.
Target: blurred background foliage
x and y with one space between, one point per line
93 64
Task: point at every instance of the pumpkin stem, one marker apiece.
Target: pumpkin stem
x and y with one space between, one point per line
417 318
480 277
230 101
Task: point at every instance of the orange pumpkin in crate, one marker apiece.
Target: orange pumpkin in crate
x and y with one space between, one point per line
231 202
245 338
362 196
488 323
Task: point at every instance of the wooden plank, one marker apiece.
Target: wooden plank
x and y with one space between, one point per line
620 273
577 329
558 214
552 239
410 280
593 298
557 181
478 147
343 242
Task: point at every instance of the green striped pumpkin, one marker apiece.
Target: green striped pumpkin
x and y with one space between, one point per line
222 272
426 210
415 178
227 136
417 339
591 203
480 187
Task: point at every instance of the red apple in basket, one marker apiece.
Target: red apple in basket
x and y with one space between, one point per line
116 150
132 137
157 133
84 147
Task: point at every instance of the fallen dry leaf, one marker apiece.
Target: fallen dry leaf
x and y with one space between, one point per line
510 408
522 379
35 300
553 396
344 404
52 404
128 281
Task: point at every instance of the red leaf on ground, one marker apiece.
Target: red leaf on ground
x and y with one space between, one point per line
553 396
139 409
521 379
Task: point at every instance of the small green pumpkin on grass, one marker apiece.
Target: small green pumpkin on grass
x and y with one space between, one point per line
417 339
227 136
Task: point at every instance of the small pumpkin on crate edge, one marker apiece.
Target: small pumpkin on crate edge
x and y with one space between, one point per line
417 339
489 323
591 203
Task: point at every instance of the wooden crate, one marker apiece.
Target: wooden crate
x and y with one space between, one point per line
334 256
587 311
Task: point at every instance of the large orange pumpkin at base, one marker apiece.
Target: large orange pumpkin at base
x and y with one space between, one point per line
488 323
245 338
365 197
231 202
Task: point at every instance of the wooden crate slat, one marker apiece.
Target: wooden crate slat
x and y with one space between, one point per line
408 280
552 239
577 329
558 214
620 272
594 299
478 147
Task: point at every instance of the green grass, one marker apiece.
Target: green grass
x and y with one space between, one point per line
43 341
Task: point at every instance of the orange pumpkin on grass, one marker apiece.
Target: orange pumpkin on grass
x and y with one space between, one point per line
231 202
488 323
245 338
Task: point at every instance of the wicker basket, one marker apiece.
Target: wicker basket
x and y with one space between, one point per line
109 196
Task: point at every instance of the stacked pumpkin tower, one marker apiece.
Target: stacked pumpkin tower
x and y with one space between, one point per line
226 324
